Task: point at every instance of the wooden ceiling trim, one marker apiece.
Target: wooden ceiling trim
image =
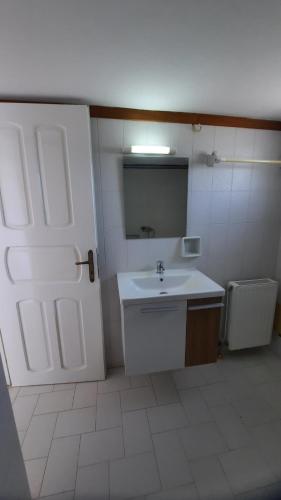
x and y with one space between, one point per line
181 117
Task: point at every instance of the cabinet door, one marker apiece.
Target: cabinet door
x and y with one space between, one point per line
202 331
154 337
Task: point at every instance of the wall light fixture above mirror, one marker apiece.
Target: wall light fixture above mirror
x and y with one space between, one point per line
150 150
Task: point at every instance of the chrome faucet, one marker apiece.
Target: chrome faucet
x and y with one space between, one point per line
160 267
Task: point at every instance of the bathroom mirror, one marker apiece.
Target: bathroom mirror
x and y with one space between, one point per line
155 196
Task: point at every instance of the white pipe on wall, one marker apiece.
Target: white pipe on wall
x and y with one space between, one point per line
212 159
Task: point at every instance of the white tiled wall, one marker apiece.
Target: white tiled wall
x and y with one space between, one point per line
235 209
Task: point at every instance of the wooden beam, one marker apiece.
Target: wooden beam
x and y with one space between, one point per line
167 116
180 117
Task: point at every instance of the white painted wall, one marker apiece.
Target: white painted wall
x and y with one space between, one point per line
236 210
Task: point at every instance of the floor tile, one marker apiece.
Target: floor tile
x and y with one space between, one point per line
231 369
13 392
267 438
241 394
255 411
60 474
172 463
100 446
210 479
166 417
35 471
189 377
68 495
133 476
257 494
85 395
23 410
39 436
136 399
215 394
164 388
272 492
75 422
188 492
202 440
230 425
270 392
140 381
93 482
115 381
21 436
211 373
194 404
108 411
137 438
234 361
239 388
64 387
245 469
54 401
272 363
35 389
258 374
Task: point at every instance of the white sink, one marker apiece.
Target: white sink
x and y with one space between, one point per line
160 282
178 283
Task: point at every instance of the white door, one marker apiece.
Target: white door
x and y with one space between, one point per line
50 311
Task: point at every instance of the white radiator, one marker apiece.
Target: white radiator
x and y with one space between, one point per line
250 312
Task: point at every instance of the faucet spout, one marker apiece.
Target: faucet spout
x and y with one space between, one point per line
160 267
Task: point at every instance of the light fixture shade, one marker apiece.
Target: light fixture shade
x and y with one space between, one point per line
154 150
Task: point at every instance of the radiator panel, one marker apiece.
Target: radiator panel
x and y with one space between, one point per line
251 313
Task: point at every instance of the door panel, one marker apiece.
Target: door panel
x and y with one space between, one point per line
14 195
43 264
51 319
71 333
54 169
35 335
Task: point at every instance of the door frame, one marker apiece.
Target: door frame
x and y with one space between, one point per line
4 361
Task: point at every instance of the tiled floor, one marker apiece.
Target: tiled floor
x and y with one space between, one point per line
207 432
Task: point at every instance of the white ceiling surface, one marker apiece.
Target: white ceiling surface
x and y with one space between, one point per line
212 56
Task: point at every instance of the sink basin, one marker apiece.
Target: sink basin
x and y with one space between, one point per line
160 282
140 286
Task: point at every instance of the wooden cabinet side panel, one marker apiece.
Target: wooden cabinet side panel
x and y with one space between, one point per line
202 335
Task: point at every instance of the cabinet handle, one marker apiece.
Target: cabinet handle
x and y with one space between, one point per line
206 306
159 309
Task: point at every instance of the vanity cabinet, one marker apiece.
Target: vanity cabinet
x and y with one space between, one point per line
154 336
202 330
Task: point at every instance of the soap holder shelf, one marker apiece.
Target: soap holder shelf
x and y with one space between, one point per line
191 246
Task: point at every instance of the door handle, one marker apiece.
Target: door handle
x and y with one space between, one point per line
91 265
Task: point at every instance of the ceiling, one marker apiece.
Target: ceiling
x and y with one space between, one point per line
205 56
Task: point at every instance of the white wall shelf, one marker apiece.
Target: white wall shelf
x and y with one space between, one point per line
191 246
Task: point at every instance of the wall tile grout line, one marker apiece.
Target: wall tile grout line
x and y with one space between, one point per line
48 453
77 464
30 419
